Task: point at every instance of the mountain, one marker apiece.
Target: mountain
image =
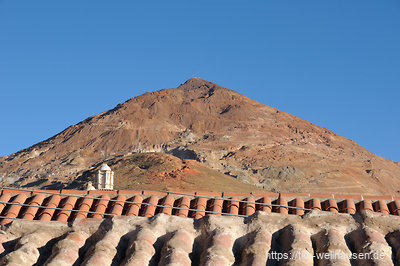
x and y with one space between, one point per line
223 131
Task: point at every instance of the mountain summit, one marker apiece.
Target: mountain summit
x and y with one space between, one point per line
221 129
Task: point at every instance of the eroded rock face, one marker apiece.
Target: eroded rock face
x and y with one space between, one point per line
282 172
217 127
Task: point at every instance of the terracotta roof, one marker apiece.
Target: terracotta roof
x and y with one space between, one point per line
68 205
109 227
261 239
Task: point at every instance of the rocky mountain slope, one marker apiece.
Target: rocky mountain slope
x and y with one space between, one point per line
217 127
161 171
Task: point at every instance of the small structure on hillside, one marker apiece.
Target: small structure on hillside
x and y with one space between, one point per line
104 178
90 186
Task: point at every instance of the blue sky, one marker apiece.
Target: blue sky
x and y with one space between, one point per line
334 63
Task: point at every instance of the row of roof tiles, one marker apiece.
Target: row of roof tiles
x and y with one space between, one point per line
66 206
206 194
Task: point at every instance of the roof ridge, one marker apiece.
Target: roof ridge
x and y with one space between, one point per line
200 193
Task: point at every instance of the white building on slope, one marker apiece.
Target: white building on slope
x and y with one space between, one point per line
104 178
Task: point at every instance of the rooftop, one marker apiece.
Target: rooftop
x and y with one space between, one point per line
127 227
68 205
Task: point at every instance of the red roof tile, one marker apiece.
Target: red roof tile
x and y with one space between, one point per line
381 206
168 203
313 204
84 205
299 206
265 204
68 204
232 206
134 207
30 212
52 203
183 204
250 206
330 205
365 205
150 208
118 205
100 207
13 210
4 198
216 206
200 206
347 206
395 207
281 206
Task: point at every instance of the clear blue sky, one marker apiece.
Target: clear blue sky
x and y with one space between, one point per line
334 63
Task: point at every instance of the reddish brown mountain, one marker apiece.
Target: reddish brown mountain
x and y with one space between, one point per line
218 127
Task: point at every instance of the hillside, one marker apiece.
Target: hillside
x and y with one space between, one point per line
223 130
160 171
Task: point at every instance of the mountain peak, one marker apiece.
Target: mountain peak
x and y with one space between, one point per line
196 79
216 126
195 82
